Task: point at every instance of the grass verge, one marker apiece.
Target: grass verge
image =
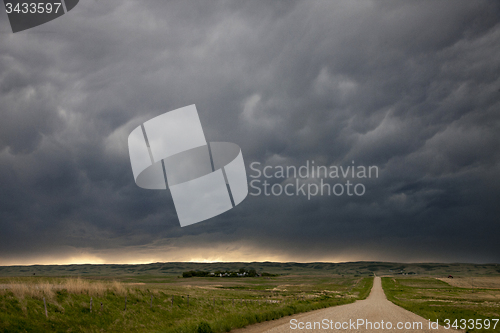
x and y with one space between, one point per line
127 308
437 300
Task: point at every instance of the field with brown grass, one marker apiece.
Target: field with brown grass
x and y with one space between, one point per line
154 297
165 304
485 282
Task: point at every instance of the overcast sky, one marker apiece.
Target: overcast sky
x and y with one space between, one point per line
412 87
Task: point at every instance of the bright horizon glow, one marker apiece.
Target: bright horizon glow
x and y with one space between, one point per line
216 253
98 261
214 262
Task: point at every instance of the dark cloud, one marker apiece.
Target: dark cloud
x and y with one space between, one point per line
410 87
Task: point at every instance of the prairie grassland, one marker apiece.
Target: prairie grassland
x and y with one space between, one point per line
39 288
488 282
435 299
213 304
316 268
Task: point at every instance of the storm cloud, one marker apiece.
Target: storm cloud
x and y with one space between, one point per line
411 87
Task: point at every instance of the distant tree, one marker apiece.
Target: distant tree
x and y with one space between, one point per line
252 273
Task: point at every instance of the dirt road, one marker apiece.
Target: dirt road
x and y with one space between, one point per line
355 317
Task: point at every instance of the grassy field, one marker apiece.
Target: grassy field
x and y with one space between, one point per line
364 268
439 299
221 304
485 282
214 305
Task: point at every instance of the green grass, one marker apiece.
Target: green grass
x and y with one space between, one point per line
157 270
255 300
437 300
363 288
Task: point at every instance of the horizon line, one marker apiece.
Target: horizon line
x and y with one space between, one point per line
249 262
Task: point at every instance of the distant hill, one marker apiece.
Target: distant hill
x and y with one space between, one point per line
315 268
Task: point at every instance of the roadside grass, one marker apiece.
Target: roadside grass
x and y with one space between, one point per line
215 305
437 300
363 288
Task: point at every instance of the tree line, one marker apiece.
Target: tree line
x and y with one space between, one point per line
241 273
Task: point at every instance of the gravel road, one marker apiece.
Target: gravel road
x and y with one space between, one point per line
375 309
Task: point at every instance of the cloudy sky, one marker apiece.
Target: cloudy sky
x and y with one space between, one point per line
411 87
